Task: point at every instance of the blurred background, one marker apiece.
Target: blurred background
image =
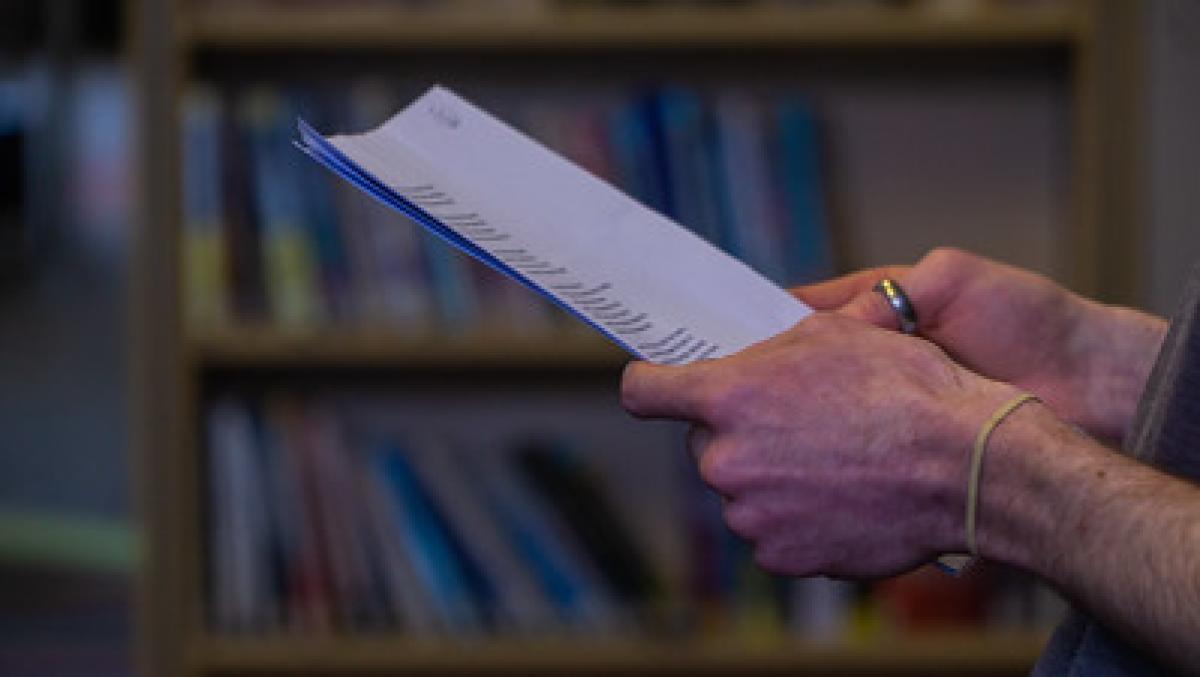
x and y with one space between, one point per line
255 424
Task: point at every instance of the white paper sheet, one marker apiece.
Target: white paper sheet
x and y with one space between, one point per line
654 287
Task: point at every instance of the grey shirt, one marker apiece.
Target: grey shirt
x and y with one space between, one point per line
1165 433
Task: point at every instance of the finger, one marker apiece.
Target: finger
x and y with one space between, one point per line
836 293
929 290
871 307
662 391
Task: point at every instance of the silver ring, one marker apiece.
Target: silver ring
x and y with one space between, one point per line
899 301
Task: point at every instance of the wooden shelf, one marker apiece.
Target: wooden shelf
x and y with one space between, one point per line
756 26
974 653
250 347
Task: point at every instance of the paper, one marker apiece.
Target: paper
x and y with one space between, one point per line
649 284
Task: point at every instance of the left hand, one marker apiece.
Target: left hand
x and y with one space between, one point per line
1089 362
841 448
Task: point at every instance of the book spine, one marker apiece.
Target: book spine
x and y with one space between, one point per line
574 493
388 253
520 605
756 234
339 512
240 573
688 153
408 600
547 547
436 562
204 234
286 244
244 239
309 590
326 233
810 244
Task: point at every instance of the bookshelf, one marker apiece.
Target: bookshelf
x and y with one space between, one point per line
264 347
174 364
759 25
946 654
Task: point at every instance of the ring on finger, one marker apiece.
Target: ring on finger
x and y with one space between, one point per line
898 300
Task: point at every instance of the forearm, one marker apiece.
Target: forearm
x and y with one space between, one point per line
1119 346
1118 537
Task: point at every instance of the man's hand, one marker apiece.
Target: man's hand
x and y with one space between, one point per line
841 448
1088 361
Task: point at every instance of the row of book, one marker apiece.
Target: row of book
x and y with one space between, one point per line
325 519
269 237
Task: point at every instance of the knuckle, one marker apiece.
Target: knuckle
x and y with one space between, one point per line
719 468
631 385
818 321
722 402
786 560
809 329
772 559
948 257
698 440
745 520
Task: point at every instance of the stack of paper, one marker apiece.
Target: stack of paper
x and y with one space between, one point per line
661 292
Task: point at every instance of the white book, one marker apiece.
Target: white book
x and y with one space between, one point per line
644 281
241 576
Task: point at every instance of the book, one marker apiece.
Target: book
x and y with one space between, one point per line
290 265
650 285
244 232
204 246
364 272
240 574
570 490
324 518
568 577
453 582
755 234
520 604
309 593
810 250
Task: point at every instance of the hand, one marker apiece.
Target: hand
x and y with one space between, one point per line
841 449
1087 361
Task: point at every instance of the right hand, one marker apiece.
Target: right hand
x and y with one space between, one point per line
1087 361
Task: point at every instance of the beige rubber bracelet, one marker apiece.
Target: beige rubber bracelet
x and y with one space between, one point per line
956 563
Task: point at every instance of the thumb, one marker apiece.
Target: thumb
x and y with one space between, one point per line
663 391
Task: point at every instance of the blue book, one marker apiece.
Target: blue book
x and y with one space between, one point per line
688 150
639 155
748 188
568 579
286 244
454 584
810 249
204 238
454 294
321 218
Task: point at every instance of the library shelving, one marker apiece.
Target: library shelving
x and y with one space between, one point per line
265 346
177 364
941 654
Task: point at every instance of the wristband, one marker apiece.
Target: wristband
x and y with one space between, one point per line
957 563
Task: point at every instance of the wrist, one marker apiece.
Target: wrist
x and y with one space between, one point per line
963 419
1119 346
1031 459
